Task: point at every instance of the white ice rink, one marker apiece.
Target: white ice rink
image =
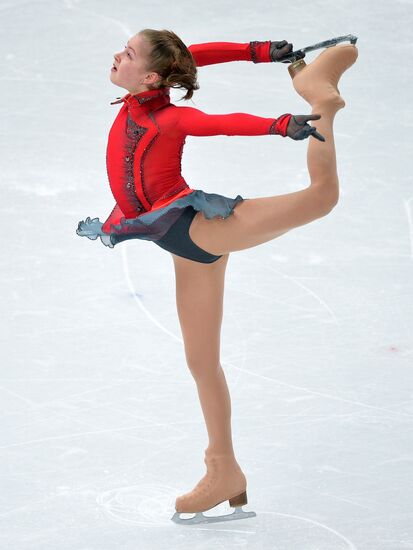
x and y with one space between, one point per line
100 422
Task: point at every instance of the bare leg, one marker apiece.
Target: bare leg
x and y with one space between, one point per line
321 156
259 220
200 313
318 85
199 296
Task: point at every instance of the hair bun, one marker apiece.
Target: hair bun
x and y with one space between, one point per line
172 60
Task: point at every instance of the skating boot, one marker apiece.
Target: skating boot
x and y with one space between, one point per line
224 480
317 82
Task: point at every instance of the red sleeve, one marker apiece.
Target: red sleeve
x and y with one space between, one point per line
211 53
194 122
115 216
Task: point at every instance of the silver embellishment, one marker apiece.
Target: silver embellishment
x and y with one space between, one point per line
145 152
134 134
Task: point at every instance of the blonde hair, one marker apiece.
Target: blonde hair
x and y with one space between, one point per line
171 59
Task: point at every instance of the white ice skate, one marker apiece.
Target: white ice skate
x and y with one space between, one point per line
223 481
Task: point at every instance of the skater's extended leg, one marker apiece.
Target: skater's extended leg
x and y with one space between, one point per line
256 221
321 156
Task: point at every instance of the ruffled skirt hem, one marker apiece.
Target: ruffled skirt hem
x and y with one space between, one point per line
153 225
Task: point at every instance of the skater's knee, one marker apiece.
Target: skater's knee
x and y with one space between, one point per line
328 199
332 201
203 370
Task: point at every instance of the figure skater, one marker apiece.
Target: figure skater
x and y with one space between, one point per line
199 229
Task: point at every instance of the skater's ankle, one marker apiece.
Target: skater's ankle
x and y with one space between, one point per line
211 451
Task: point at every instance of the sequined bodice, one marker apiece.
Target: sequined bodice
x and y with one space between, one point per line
143 157
147 138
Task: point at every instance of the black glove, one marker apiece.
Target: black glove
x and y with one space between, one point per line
281 52
299 129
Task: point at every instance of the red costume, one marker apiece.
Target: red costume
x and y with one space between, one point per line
145 146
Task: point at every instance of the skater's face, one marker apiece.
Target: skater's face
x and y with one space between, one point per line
131 67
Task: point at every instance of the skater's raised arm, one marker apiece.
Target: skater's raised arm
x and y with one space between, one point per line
211 53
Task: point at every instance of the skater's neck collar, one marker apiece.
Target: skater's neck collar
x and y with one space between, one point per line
153 98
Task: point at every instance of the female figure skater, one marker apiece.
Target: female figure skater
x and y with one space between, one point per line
199 229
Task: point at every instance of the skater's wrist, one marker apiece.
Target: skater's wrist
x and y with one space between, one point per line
280 124
260 51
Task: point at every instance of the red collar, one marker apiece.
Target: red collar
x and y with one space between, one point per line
153 98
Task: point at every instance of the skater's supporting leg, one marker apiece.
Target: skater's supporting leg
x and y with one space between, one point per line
216 406
199 300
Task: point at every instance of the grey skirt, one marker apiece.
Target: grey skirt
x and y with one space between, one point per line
154 224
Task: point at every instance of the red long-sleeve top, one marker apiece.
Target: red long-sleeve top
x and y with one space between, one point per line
146 140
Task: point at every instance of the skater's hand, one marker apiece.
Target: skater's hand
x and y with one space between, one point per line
280 51
299 129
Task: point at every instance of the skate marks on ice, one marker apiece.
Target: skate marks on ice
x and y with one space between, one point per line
309 308
139 302
151 504
143 504
148 504
314 533
408 204
308 530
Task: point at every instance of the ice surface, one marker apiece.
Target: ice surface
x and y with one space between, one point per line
101 426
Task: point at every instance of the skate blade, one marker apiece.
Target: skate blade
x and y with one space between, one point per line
199 517
296 55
